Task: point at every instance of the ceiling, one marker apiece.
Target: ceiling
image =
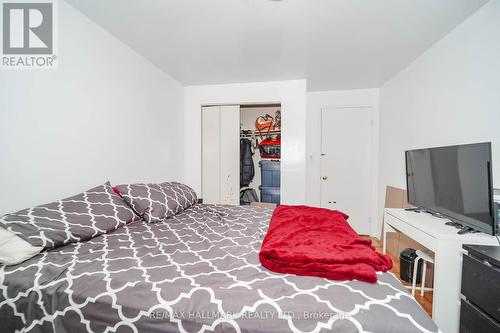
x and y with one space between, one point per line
334 44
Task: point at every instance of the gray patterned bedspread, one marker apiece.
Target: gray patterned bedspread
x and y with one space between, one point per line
196 272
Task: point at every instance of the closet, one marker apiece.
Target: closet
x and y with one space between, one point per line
241 151
261 125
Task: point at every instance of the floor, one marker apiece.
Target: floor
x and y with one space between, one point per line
426 300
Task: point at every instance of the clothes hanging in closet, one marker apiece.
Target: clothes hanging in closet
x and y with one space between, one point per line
247 169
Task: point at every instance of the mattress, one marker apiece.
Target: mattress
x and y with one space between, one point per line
195 272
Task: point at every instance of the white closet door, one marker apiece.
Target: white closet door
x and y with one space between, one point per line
221 154
210 154
230 154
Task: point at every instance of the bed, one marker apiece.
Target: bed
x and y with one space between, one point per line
197 271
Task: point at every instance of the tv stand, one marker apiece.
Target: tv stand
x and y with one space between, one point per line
433 233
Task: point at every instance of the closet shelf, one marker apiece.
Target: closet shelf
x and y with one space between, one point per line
254 133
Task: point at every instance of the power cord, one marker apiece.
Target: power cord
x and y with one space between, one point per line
498 239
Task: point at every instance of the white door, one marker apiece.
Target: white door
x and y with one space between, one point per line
221 154
346 160
210 178
230 154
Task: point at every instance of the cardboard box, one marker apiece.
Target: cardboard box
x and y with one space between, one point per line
396 241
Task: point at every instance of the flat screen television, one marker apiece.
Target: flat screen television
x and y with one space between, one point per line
454 181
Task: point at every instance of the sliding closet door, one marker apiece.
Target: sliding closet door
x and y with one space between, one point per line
221 154
211 154
230 154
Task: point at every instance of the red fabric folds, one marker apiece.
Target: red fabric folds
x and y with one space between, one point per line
319 242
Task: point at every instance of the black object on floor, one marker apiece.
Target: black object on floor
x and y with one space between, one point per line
247 196
407 260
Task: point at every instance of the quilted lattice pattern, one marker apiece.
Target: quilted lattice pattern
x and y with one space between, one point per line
157 202
81 217
196 272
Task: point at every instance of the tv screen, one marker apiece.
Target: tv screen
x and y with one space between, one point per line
455 181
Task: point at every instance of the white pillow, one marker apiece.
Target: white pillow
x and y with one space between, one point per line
15 250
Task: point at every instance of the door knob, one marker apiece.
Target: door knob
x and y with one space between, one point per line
324 177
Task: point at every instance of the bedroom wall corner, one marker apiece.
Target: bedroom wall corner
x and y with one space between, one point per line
106 113
449 95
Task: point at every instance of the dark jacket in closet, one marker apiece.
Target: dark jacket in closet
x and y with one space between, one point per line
247 170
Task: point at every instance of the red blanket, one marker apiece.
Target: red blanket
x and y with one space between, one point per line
312 241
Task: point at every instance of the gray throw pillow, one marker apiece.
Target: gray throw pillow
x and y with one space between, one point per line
157 202
80 217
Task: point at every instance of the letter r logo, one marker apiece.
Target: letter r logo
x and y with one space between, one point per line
27 28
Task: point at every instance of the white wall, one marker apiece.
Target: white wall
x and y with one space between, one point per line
105 114
316 101
449 95
291 95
